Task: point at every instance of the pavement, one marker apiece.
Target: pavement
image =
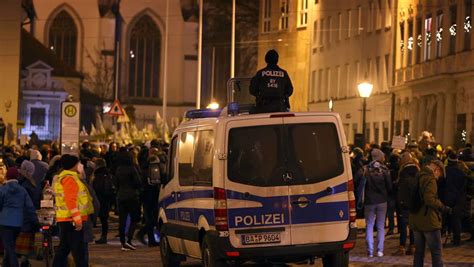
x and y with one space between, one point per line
111 255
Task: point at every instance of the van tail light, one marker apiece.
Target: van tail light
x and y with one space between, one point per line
220 209
352 201
348 246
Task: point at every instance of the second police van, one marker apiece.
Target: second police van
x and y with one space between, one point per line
272 187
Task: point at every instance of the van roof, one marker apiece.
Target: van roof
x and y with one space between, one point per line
223 116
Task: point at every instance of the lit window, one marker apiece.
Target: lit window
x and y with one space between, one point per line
419 41
467 24
439 33
267 7
63 38
145 57
428 37
302 13
410 43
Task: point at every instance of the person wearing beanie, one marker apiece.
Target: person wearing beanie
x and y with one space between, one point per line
27 169
73 206
41 167
16 208
271 86
456 196
376 183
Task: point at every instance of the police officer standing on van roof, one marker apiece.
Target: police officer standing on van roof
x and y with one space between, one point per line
271 86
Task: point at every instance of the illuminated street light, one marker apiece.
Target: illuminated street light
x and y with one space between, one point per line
365 89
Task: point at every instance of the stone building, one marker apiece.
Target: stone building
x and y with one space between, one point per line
82 34
351 42
11 12
284 27
434 74
45 83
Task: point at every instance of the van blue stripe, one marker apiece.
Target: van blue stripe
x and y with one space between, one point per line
321 212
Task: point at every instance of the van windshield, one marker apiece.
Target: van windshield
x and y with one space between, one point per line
262 155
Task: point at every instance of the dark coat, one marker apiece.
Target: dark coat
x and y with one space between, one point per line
128 182
456 182
379 183
103 183
407 172
271 87
34 190
428 218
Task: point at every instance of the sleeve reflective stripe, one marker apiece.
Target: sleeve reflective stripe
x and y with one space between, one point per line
77 219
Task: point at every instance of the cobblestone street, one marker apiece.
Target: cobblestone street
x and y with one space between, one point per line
111 255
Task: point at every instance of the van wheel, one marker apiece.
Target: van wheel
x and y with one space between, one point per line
340 259
168 257
208 255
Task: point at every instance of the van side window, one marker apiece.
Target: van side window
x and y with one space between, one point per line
203 156
172 157
186 158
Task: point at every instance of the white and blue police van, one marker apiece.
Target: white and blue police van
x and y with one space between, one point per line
268 188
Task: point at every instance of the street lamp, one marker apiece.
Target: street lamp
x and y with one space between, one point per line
365 89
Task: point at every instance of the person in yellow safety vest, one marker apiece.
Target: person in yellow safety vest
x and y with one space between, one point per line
73 205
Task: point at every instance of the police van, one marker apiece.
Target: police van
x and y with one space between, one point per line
269 188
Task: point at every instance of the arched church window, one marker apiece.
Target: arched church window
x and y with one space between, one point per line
63 38
144 59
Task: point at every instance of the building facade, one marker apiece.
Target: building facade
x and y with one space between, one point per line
11 12
82 34
283 26
434 74
351 42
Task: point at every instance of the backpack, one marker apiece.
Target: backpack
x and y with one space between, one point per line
154 171
409 193
103 184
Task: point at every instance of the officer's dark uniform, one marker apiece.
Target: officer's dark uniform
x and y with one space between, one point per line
271 86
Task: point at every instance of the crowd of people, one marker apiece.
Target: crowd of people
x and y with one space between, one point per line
87 188
424 191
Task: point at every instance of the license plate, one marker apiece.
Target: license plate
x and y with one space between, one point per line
264 238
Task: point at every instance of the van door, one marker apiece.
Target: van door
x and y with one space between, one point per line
318 184
257 194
